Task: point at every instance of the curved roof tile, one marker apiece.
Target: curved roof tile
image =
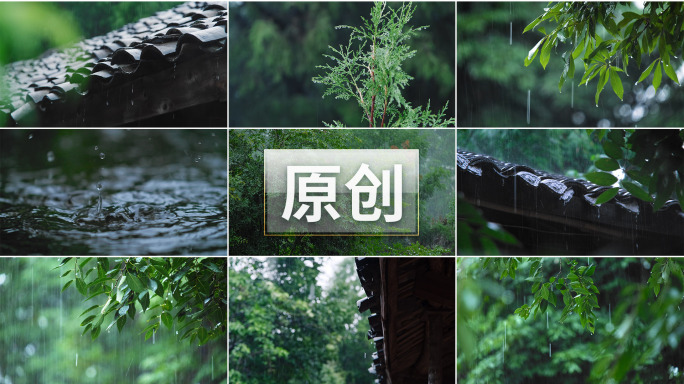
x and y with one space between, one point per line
96 64
521 190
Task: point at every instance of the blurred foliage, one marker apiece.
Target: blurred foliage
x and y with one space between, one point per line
97 18
42 340
476 235
273 59
285 329
562 151
493 88
246 192
637 339
184 294
652 161
369 70
633 35
28 29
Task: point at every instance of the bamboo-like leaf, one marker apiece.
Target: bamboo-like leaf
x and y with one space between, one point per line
670 72
647 72
616 83
657 77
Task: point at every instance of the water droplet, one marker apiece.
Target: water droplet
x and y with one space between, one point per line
107 103
528 107
131 101
99 186
102 155
198 158
596 105
510 40
77 359
30 136
97 147
549 349
50 157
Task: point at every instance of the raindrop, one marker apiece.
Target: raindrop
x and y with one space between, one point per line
549 349
572 95
102 155
132 102
528 107
610 319
50 157
30 136
99 198
97 147
153 333
77 359
198 158
547 320
510 41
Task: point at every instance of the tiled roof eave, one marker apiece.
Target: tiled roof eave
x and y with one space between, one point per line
521 190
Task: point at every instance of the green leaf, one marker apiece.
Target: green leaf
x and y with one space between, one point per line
68 283
590 271
81 286
601 178
578 50
167 319
95 332
647 72
656 289
636 191
88 320
606 195
657 77
603 80
670 72
88 310
120 322
533 52
545 53
532 24
202 335
607 164
616 83
613 150
135 283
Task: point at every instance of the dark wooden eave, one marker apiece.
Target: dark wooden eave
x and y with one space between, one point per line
412 321
552 214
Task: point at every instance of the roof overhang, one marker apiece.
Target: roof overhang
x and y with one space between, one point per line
555 214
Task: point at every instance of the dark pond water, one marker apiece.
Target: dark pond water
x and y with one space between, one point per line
113 192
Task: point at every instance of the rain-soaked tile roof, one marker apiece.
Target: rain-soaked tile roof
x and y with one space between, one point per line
517 193
171 60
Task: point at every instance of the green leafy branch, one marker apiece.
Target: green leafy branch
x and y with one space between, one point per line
630 35
368 70
188 292
652 160
576 288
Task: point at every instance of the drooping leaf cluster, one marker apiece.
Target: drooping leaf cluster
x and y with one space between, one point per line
652 160
606 36
638 340
369 70
187 295
576 288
